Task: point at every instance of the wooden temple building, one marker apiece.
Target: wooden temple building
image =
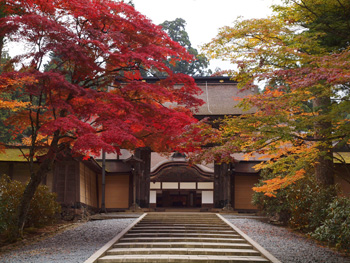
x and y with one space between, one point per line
149 180
170 182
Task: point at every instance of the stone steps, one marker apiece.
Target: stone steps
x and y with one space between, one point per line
182 259
193 230
189 222
184 251
182 237
182 245
187 230
171 234
179 227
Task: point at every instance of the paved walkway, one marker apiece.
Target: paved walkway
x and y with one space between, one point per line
183 237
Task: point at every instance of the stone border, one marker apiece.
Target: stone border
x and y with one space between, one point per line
262 250
99 253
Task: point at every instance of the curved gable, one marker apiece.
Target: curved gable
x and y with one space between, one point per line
180 172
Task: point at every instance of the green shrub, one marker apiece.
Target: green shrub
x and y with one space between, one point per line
335 230
10 196
302 205
308 204
276 207
43 208
307 207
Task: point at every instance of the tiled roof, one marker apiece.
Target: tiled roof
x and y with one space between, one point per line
222 99
13 155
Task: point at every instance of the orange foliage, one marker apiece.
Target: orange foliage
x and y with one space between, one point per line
271 186
6 85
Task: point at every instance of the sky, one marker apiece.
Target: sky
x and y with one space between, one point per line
204 17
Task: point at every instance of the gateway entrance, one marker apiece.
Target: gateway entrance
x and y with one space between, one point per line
178 194
180 185
179 199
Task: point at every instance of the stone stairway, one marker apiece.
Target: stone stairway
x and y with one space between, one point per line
182 237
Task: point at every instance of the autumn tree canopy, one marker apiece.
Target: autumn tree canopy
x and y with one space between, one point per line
79 76
299 58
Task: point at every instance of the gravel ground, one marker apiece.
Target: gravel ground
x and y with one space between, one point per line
72 246
285 245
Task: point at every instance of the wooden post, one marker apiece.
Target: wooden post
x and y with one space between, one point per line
133 161
143 191
103 193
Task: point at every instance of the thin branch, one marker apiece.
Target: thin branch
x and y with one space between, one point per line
24 155
320 139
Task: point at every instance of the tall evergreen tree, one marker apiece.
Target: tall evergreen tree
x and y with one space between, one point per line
176 29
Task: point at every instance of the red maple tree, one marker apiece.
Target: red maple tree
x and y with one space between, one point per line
85 58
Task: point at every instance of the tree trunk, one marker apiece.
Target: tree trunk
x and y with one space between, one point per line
35 179
2 15
324 171
29 192
1 47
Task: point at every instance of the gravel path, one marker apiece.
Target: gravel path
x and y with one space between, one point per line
72 246
285 245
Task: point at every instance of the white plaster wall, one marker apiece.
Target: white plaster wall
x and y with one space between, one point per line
157 159
191 185
205 185
207 197
155 185
168 185
153 197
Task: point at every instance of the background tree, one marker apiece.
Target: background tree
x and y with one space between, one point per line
130 2
89 97
2 14
304 75
199 65
329 21
9 102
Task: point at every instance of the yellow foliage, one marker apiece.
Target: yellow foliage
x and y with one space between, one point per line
40 140
13 105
